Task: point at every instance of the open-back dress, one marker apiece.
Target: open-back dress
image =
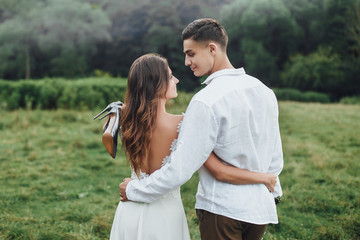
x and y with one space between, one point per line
163 219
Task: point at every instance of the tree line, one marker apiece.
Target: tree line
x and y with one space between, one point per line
306 45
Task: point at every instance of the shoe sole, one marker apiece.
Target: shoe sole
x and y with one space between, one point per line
107 138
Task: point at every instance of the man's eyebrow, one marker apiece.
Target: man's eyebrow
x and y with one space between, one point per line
187 51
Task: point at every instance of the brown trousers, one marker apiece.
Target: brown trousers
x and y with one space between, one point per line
217 227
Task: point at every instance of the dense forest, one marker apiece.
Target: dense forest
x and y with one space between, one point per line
309 45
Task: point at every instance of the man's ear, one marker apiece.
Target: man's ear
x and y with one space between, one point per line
212 48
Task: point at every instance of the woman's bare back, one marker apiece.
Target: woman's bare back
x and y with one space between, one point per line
164 133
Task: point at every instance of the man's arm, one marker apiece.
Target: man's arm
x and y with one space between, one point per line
197 139
277 162
238 176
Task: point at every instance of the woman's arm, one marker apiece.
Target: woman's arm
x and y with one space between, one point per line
238 176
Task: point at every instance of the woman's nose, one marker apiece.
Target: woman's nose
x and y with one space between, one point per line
176 81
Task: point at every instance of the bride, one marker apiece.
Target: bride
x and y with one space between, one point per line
148 135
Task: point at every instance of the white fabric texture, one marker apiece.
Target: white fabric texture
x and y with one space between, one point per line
162 219
236 116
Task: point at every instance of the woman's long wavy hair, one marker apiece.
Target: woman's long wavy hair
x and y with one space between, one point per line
148 81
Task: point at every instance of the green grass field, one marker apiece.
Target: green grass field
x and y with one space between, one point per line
58 182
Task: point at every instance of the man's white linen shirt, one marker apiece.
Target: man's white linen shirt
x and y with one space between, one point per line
236 116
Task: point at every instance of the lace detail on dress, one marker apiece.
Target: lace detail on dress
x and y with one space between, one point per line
142 175
173 147
165 161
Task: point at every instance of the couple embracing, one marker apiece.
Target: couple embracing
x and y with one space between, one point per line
230 133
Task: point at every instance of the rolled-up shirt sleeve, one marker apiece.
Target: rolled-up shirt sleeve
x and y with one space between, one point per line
197 139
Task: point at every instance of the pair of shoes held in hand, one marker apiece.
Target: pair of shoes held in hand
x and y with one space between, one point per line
111 126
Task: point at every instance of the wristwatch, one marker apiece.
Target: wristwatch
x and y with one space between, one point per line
277 199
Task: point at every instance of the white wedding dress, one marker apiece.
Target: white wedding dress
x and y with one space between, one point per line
163 219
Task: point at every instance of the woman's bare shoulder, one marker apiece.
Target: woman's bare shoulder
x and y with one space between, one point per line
169 121
177 118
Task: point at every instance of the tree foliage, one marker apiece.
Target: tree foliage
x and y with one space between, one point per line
63 31
72 38
150 26
320 71
353 29
265 31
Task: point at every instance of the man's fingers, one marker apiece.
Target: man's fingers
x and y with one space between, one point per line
122 199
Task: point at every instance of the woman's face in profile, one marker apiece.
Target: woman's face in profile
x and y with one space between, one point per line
171 91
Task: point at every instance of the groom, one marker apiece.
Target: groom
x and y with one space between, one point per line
236 116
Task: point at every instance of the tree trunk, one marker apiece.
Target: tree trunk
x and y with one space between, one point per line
27 62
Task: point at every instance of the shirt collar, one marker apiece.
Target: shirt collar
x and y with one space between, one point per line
223 72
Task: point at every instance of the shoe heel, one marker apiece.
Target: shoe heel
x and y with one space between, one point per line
106 123
111 126
106 109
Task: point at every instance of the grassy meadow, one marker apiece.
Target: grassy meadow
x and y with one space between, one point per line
58 182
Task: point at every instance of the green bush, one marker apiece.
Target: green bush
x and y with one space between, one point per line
320 71
50 93
88 93
315 97
14 100
350 100
290 94
22 94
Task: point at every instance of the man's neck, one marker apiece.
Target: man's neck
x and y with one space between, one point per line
222 63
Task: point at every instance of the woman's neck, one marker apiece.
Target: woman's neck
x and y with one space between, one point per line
162 106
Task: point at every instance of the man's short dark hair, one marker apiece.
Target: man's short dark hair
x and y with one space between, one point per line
206 29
